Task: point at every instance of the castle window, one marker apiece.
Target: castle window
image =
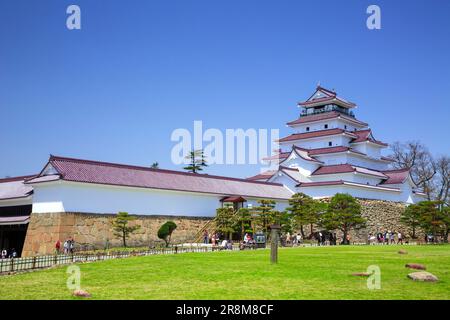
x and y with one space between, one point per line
307 128
345 126
325 126
330 143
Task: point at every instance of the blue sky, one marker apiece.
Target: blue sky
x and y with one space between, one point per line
116 89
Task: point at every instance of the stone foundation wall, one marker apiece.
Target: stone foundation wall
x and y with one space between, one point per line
95 230
381 216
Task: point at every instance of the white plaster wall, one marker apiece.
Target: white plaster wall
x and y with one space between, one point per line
78 197
305 167
286 181
329 191
319 142
320 125
350 158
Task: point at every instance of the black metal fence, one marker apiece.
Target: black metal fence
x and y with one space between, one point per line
39 262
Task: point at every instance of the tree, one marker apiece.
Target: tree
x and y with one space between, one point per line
445 213
155 165
442 180
416 157
166 230
121 228
197 161
431 219
302 209
343 213
411 218
283 219
225 220
263 214
243 221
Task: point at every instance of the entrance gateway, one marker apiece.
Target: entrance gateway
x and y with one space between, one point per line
15 210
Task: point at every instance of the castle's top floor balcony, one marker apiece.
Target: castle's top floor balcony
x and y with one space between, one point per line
326 108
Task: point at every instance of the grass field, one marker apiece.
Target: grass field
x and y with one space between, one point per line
302 273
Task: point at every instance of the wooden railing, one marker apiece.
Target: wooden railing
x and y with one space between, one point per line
12 265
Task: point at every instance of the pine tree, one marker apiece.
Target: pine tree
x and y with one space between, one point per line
121 228
343 213
197 161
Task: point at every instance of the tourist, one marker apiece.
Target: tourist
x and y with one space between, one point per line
71 245
299 238
380 237
205 237
392 237
13 253
213 240
399 238
386 237
66 247
246 238
224 244
4 254
58 246
348 239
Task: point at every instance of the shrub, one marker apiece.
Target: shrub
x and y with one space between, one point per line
166 230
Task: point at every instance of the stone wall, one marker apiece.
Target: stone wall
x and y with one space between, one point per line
381 216
95 230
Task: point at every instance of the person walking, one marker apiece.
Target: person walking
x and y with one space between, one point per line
399 238
66 247
392 237
205 237
58 246
71 245
4 254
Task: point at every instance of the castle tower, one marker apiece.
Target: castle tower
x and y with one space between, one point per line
331 151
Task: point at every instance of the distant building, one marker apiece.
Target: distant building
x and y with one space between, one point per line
333 152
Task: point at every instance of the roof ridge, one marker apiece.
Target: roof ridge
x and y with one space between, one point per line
397 170
126 166
17 178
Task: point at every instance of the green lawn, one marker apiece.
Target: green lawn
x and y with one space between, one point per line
302 273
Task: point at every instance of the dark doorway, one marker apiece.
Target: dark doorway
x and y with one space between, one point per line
13 227
13 237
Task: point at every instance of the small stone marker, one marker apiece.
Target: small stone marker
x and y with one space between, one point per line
81 293
423 276
274 243
402 252
415 266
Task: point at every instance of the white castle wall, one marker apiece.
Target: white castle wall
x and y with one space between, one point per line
92 198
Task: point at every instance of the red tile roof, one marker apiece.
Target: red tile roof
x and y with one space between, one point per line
314 134
344 168
319 151
344 182
233 199
366 135
14 188
279 156
263 176
304 154
396 176
325 116
87 171
328 97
